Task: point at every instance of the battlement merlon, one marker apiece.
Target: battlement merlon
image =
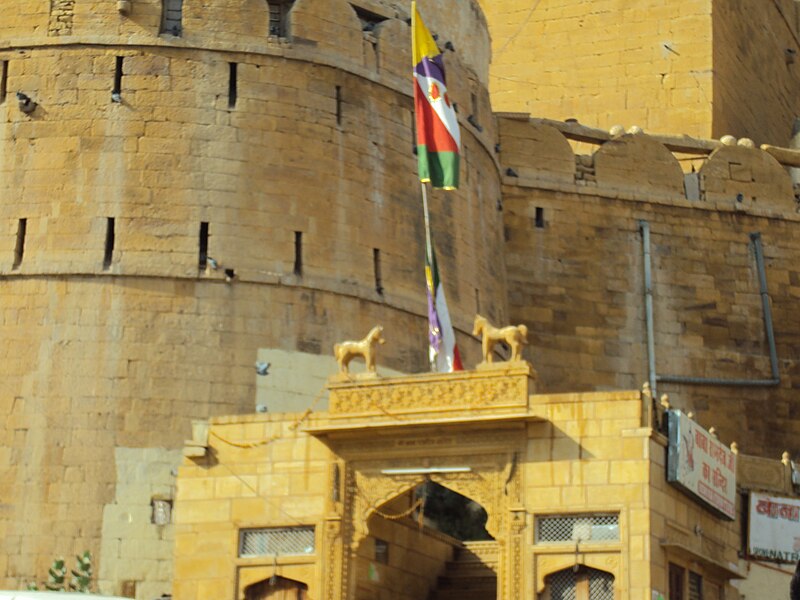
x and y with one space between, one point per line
724 175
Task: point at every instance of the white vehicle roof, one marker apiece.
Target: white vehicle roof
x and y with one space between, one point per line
23 595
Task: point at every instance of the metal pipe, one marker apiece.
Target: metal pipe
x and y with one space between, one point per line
767 312
766 305
644 227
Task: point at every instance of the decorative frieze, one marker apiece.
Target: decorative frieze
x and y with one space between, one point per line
506 385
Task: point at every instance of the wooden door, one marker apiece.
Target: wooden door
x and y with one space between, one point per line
277 588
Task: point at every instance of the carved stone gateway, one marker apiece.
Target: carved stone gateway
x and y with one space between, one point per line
493 482
465 432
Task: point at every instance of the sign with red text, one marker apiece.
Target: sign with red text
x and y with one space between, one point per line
774 528
701 465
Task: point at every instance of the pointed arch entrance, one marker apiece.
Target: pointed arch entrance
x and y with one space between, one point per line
450 513
486 474
407 555
578 583
276 588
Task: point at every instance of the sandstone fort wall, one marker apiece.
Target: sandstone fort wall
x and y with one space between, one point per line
295 151
703 67
575 257
604 63
111 348
756 68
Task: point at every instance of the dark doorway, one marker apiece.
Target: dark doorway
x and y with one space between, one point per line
453 514
276 588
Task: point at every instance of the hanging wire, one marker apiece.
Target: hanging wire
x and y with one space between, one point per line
258 443
293 427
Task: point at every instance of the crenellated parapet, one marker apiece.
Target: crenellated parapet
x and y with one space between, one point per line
726 174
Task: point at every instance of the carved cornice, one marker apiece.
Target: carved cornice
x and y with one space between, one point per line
504 385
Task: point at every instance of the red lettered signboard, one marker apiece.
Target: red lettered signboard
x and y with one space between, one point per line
701 465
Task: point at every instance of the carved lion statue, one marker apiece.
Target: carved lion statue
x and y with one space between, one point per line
366 348
515 337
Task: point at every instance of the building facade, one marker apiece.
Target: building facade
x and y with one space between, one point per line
574 487
191 186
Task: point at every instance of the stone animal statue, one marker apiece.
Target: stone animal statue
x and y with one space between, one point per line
367 348
516 337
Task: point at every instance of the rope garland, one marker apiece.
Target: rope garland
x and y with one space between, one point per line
418 504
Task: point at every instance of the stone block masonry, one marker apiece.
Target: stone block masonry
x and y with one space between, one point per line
704 68
62 14
576 278
116 336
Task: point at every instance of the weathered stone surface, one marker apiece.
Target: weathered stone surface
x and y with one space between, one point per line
109 348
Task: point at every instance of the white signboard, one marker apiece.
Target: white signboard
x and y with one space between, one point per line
701 465
774 529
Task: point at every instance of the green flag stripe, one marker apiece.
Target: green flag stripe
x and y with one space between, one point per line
440 168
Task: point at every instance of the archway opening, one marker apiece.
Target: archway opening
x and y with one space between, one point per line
451 513
428 542
276 588
578 583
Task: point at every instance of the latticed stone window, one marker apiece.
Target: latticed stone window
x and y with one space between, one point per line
575 528
276 541
172 18
278 16
583 584
695 586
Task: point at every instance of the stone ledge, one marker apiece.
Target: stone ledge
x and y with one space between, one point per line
489 387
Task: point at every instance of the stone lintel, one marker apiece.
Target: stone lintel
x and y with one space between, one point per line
489 388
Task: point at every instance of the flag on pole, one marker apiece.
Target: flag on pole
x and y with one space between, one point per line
443 351
438 137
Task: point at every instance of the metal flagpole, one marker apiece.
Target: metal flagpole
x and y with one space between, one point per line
427 220
431 293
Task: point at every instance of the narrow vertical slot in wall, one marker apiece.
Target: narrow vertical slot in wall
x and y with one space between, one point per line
19 249
118 76
108 255
477 300
376 266
3 80
298 253
338 105
539 217
202 259
232 84
474 118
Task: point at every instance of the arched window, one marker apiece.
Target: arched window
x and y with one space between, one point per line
276 588
581 584
278 13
